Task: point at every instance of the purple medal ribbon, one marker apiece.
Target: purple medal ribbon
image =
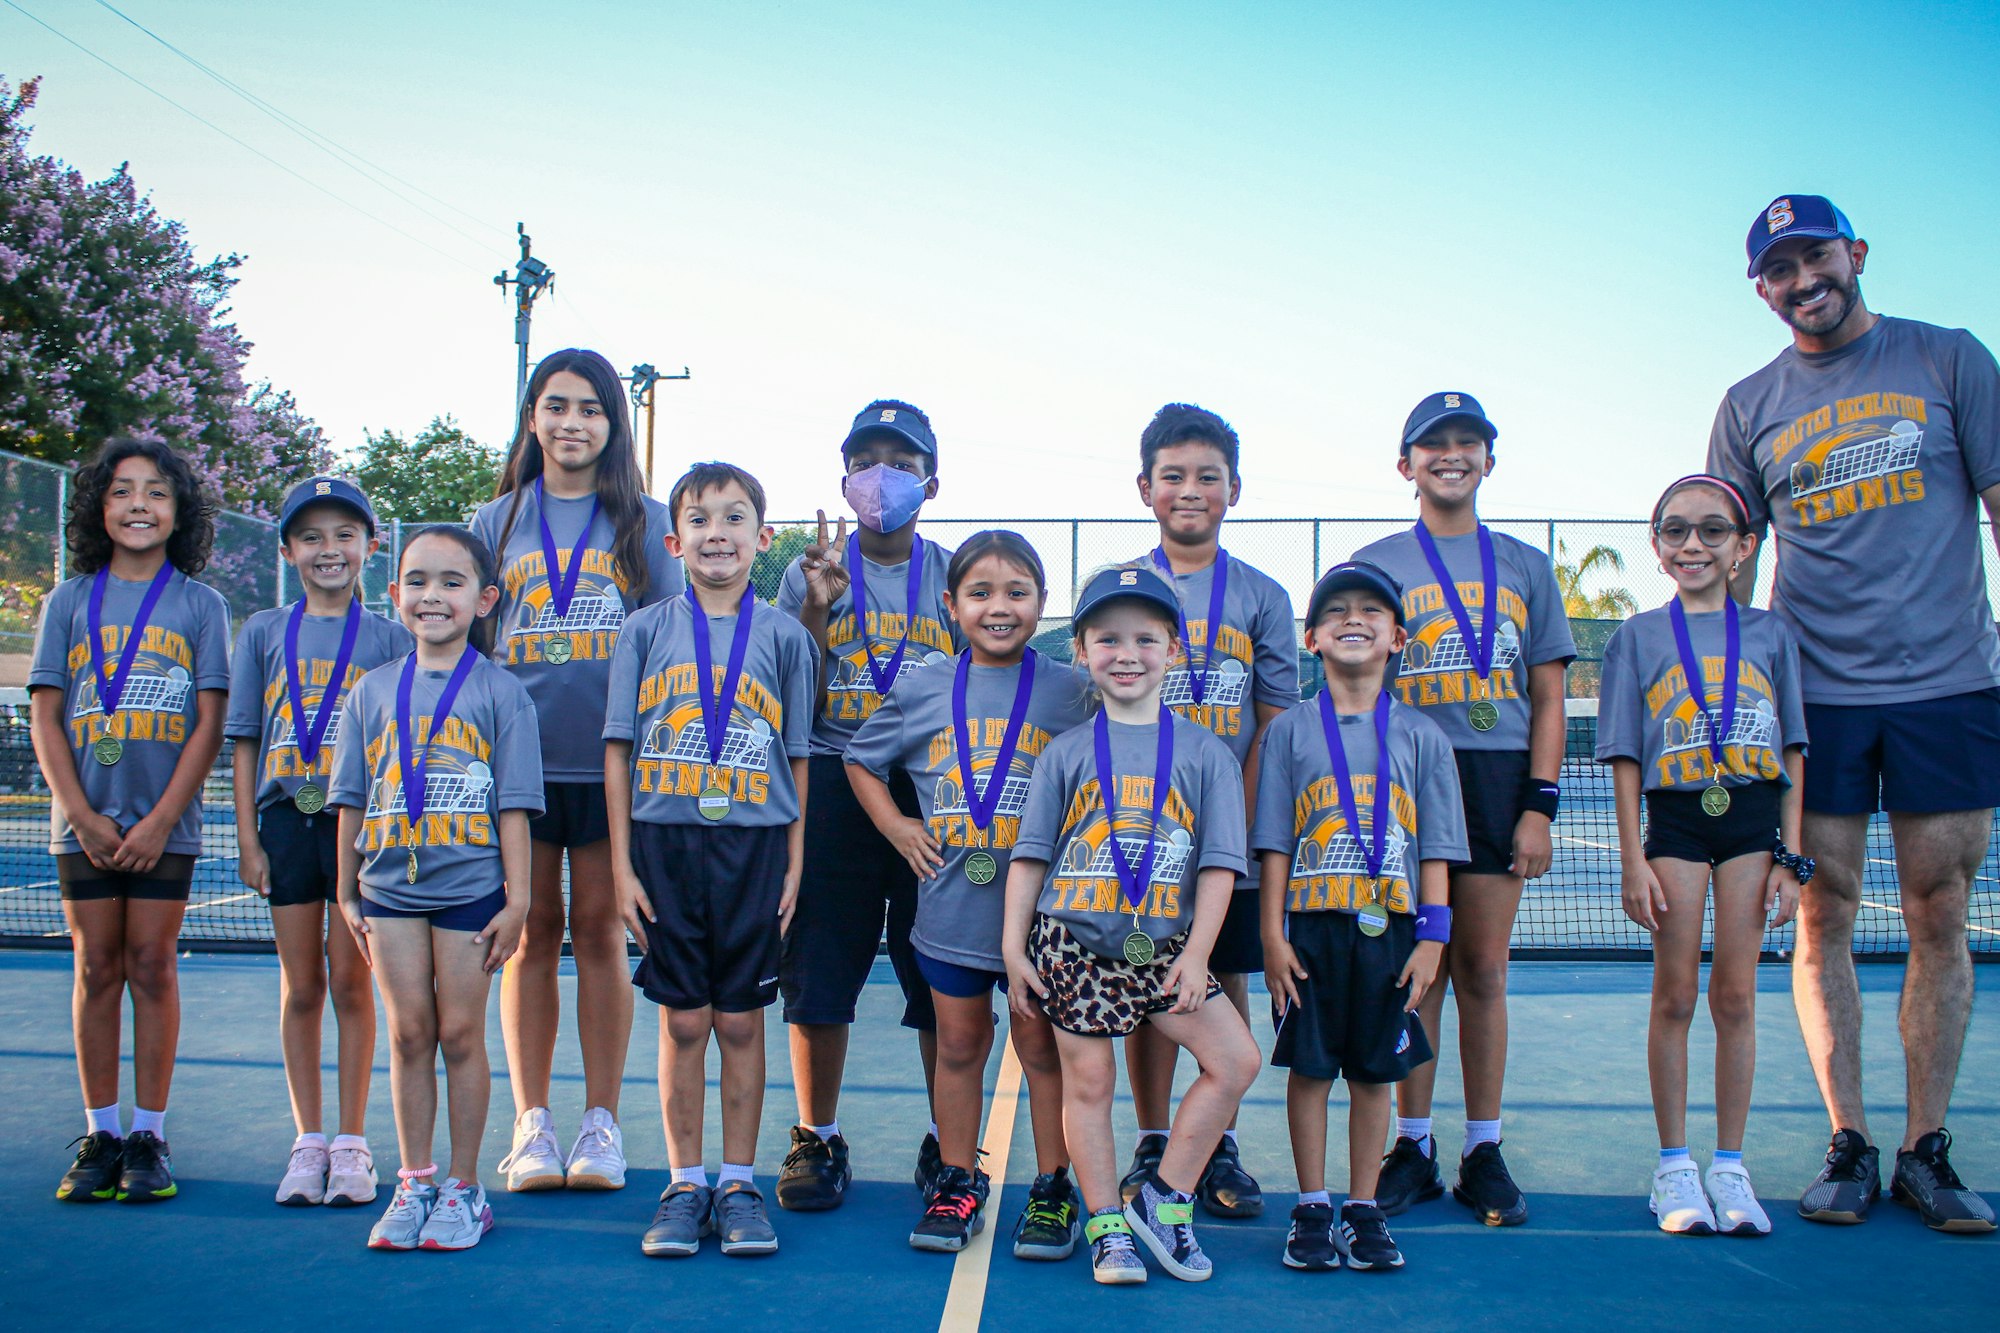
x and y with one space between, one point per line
562 582
1217 587
1480 647
1697 683
980 805
1134 880
416 765
1343 778
716 712
110 688
309 732
884 677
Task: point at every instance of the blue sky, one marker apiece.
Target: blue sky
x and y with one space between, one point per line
1040 222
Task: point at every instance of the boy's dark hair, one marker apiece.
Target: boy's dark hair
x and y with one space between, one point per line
484 563
1008 545
90 545
899 406
702 478
1184 423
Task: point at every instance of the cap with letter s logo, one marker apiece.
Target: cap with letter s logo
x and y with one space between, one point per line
888 414
1128 578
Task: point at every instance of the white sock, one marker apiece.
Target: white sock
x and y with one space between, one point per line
933 1129
1314 1196
1674 1159
829 1130
1478 1132
312 1140
1420 1131
1359 1203
696 1175
150 1121
1145 1133
733 1171
102 1119
344 1141
1230 1134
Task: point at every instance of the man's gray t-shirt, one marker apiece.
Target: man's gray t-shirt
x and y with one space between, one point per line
850 697
1299 812
1201 828
656 706
260 700
1869 462
487 758
184 651
1436 672
959 921
569 696
1645 713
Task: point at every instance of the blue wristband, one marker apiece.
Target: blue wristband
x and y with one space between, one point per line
1434 922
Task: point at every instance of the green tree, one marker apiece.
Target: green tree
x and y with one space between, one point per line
439 475
786 546
1608 603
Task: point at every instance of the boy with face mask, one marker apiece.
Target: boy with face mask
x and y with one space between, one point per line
873 599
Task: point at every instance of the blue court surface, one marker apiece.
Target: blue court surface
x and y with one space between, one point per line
1579 1137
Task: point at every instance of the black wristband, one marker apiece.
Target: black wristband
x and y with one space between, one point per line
1541 797
1801 866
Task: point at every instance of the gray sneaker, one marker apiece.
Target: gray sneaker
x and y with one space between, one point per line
1163 1220
1925 1181
403 1224
683 1218
741 1222
1850 1181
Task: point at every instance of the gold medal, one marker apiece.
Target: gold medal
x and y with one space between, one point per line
107 750
413 865
980 868
1139 949
558 650
1371 921
1484 715
713 803
310 798
1715 801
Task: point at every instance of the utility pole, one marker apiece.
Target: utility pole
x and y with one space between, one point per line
531 278
643 380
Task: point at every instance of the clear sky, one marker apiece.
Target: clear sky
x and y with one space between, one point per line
1041 221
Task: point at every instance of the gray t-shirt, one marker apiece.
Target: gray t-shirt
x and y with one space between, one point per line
850 697
1201 828
486 759
569 696
1645 713
260 701
1436 672
959 921
1299 814
656 703
1255 658
1869 461
185 650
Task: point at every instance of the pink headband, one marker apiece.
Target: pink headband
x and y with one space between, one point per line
1703 479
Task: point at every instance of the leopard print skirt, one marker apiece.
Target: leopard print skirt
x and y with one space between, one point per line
1094 996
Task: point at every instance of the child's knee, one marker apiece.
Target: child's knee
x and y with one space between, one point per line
1674 1003
150 968
414 1038
737 1031
1482 980
463 1039
100 971
304 993
1732 1004
688 1027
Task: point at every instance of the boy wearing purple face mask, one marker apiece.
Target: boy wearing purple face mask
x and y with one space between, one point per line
874 602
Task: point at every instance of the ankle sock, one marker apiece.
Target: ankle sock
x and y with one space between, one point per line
102 1120
149 1121
1359 1203
315 1139
1145 1134
1309 1197
933 1129
828 1131
343 1141
693 1175
1420 1131
1478 1132
1229 1137
1723 1155
733 1171
1674 1157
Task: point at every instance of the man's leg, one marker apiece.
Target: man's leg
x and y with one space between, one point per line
1936 858
1824 989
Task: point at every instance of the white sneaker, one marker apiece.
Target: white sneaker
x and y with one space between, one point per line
597 1162
458 1219
350 1175
403 1224
1679 1203
1737 1212
535 1163
304 1184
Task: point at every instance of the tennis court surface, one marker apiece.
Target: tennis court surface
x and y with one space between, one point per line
1579 1136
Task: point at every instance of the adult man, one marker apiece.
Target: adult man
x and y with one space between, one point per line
1868 444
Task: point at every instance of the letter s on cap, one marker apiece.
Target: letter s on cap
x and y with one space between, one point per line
888 414
1780 216
1128 578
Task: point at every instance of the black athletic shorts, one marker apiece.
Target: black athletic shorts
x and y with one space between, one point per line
168 881
714 939
1239 948
471 917
1350 1022
304 851
1490 788
854 884
1680 830
1915 758
572 815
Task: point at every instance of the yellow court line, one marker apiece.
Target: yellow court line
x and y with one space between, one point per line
966 1300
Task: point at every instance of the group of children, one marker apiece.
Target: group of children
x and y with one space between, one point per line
1114 842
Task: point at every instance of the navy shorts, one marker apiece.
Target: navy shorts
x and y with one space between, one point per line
1239 947
572 815
1916 758
1678 829
713 941
1350 1022
958 981
168 880
304 851
1490 787
473 916
853 887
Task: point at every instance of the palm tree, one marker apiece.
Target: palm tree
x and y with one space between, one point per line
1610 603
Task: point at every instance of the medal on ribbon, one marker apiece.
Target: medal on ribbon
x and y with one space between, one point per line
415 760
1135 881
713 803
108 749
1483 714
1218 587
309 731
981 805
1714 800
884 677
1373 846
558 648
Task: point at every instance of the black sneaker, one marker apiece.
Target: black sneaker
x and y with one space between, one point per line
1145 1161
956 1213
1850 1181
1409 1176
1049 1224
1925 1181
930 1162
1309 1245
1364 1237
1226 1189
94 1178
1485 1187
815 1175
148 1171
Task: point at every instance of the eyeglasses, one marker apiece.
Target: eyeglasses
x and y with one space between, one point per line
1713 532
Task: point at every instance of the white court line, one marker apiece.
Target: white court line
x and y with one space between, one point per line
966 1300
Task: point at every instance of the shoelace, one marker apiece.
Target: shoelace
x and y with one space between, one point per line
1843 1162
1488 1169
1046 1213
1942 1174
957 1204
349 1161
1116 1242
527 1146
142 1152
809 1150
93 1148
303 1160
406 1200
598 1137
1731 1188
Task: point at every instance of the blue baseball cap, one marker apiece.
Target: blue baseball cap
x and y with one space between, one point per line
1794 215
321 491
1121 582
1346 577
887 416
1443 407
